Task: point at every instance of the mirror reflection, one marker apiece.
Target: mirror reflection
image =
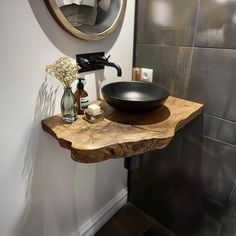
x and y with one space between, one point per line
90 16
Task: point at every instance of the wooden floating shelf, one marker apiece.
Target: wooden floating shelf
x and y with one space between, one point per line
122 134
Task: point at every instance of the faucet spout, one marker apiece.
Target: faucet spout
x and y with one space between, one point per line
109 64
95 61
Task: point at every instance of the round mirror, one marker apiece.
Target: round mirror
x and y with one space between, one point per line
88 19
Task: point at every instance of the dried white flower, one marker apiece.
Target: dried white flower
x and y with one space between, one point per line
63 70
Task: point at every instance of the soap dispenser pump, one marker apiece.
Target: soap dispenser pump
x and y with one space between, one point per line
81 96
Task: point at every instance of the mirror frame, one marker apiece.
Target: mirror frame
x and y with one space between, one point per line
65 24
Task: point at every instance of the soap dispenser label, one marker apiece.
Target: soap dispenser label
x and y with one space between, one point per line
84 102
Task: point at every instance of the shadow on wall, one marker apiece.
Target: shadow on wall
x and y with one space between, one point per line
48 176
62 40
45 107
61 194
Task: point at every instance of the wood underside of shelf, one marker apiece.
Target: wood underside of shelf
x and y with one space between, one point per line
122 134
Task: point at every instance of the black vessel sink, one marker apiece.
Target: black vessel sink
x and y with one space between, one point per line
134 96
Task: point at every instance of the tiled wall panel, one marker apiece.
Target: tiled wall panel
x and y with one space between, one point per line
216 24
170 22
213 81
171 65
190 44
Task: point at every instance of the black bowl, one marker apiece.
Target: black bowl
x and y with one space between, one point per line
134 96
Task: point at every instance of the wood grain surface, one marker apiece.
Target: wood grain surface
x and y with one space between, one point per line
122 134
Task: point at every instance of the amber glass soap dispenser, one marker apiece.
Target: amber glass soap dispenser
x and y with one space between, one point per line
81 96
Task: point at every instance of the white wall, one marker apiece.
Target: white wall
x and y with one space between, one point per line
62 194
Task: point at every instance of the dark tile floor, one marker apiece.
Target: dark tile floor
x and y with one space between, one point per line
131 221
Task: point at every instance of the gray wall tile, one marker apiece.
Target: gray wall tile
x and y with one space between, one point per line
232 200
195 126
168 193
228 226
171 66
168 178
162 162
216 24
213 127
170 22
213 81
219 129
211 162
139 56
197 85
156 167
140 20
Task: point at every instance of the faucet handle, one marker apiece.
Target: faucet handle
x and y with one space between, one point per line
107 58
101 58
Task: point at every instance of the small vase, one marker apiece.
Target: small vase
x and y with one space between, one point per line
69 107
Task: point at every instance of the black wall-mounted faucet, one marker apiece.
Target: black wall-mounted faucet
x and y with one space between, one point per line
95 61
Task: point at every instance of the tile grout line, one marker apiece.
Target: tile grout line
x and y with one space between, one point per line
212 139
220 141
185 46
222 119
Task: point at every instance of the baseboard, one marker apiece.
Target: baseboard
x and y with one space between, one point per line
91 226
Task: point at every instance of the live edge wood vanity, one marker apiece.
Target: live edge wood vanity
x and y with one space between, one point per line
122 134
